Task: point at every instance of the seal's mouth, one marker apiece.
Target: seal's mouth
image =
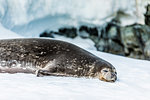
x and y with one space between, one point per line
106 80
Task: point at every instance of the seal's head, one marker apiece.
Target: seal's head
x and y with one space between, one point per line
108 74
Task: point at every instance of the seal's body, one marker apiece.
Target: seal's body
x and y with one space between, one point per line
52 57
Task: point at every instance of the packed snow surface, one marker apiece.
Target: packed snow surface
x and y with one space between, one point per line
133 80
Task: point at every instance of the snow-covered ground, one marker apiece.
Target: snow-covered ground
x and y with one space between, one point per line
133 80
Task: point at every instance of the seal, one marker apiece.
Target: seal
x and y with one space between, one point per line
52 57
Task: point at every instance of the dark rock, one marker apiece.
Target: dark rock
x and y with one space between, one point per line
115 48
68 32
147 50
144 31
110 46
134 38
45 34
91 30
147 15
128 37
111 31
110 40
102 45
130 42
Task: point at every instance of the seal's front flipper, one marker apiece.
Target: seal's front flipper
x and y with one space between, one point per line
47 69
40 73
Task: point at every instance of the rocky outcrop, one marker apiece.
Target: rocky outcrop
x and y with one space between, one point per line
68 32
147 49
147 15
47 34
131 41
134 38
109 38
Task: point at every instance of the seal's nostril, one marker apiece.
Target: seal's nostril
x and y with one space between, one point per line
113 75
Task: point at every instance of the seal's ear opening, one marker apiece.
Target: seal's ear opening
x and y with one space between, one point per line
108 75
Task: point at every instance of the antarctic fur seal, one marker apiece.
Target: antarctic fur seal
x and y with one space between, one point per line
52 57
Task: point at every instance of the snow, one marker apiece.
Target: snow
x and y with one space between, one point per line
28 18
6 34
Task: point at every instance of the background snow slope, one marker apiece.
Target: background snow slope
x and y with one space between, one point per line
31 17
133 80
6 34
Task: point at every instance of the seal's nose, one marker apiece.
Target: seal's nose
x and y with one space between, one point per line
114 76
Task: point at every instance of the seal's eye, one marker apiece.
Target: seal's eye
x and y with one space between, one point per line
105 70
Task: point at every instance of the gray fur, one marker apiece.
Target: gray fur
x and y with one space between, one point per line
50 57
